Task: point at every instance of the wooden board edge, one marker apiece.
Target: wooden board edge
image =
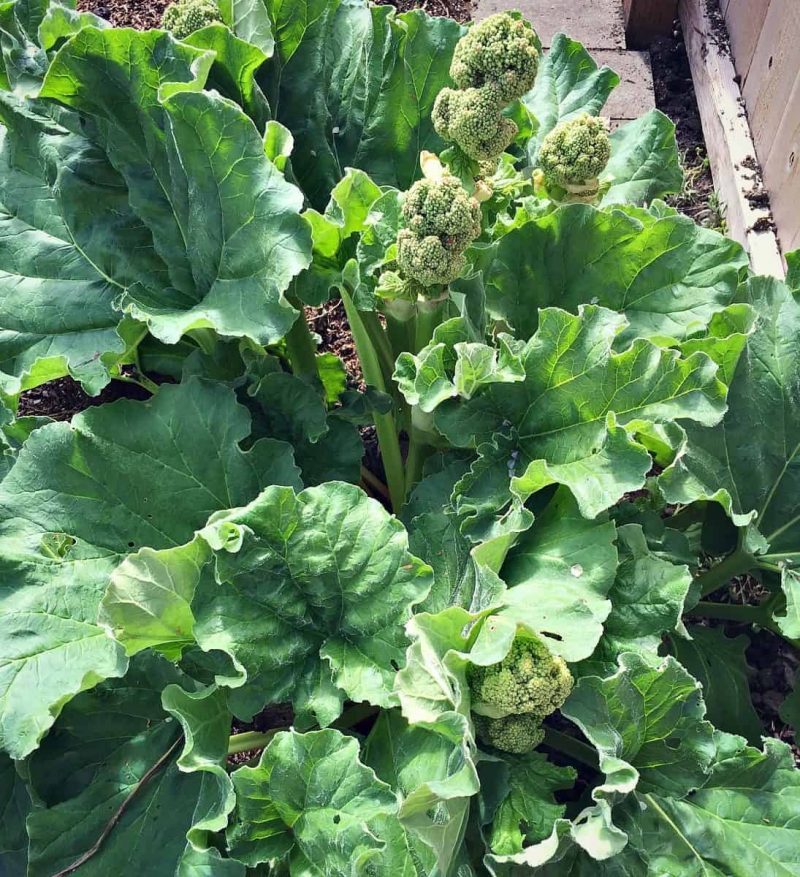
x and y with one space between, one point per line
729 142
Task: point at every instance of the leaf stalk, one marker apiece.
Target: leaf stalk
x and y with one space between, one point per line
248 740
300 344
571 747
733 565
385 426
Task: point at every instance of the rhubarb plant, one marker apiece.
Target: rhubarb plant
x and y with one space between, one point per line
232 643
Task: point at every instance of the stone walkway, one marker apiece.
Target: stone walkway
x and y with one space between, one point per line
599 25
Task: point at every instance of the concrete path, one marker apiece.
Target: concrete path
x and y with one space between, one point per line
600 26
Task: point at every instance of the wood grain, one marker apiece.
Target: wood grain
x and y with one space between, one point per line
728 139
780 159
773 70
745 18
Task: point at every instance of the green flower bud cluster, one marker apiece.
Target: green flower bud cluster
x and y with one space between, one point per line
441 220
183 18
574 154
494 64
510 699
518 734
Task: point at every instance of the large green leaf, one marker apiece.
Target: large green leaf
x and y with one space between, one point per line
744 821
668 276
568 83
289 409
718 662
356 84
647 600
15 804
569 421
647 723
559 575
248 19
644 161
233 72
60 271
311 802
62 20
435 778
434 534
85 494
649 716
149 789
753 472
232 241
528 811
333 581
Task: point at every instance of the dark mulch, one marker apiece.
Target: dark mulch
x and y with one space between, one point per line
62 398
461 10
330 322
775 667
144 14
675 97
141 14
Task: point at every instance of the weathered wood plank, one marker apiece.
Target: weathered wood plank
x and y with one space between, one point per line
773 71
647 19
728 139
779 152
745 18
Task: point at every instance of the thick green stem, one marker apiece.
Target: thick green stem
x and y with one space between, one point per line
744 614
400 333
733 565
571 747
429 316
140 380
380 342
418 452
248 740
740 612
385 427
300 345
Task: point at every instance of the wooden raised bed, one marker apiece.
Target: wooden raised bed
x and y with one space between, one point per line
765 81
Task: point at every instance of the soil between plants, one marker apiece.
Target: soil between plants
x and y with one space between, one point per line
774 662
